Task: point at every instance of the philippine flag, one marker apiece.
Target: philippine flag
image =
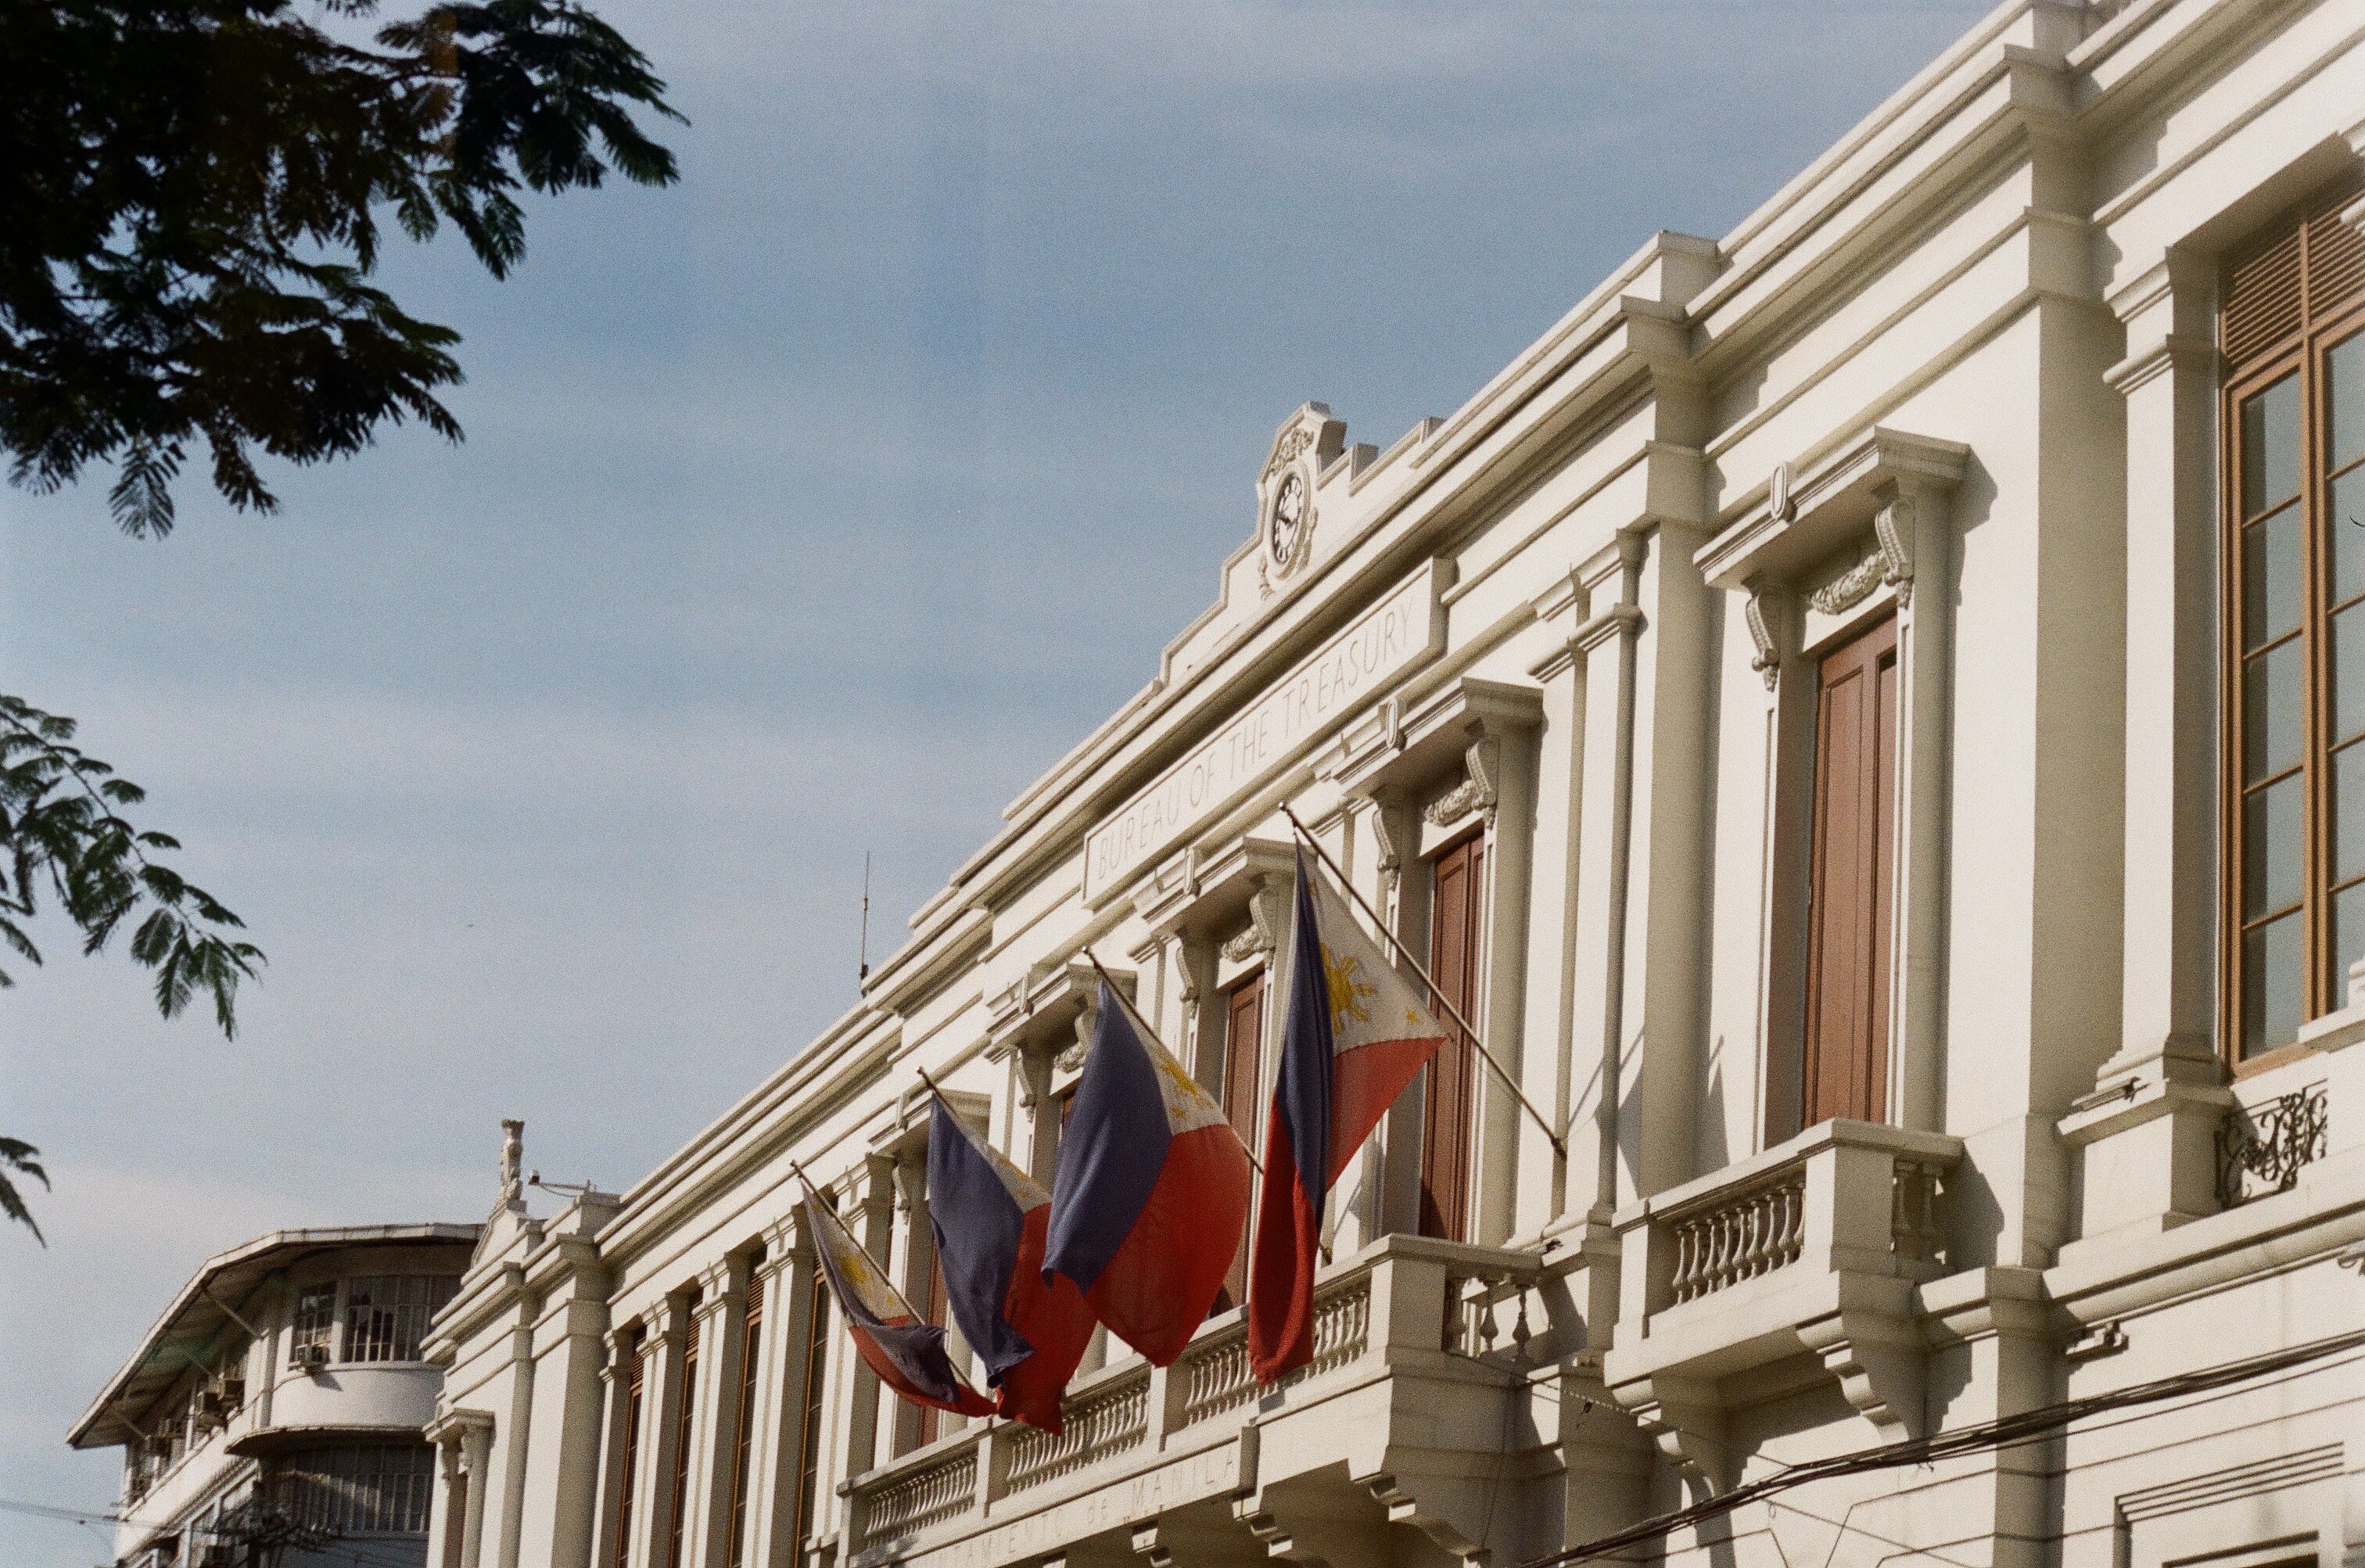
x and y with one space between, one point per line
1151 1193
1355 1034
991 1219
907 1354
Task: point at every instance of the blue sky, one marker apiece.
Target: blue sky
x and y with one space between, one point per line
814 504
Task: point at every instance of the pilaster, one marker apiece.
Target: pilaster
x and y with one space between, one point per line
2168 380
722 1314
664 1387
775 1446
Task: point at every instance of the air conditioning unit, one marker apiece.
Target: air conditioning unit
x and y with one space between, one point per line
311 1358
219 1403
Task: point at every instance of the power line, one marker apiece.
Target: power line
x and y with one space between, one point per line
70 1516
2004 1432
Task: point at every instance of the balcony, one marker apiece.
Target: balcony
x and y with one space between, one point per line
1814 1248
1373 1442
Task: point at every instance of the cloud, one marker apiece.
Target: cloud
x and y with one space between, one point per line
816 504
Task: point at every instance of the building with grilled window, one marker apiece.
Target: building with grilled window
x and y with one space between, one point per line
1864 718
276 1413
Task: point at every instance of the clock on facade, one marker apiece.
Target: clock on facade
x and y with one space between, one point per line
1285 529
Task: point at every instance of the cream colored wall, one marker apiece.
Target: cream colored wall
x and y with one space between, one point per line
1992 317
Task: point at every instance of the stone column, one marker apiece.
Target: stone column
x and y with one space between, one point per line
873 1226
516 1455
1916 520
722 1314
462 1440
1393 1158
616 1379
578 1360
1193 1023
2147 1132
1551 972
776 1455
661 1395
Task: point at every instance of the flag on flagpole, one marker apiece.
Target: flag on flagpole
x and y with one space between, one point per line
1355 1034
907 1353
991 1219
1151 1193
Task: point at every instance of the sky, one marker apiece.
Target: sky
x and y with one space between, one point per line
814 505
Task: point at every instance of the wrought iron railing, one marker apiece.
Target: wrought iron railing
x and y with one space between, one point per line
2261 1150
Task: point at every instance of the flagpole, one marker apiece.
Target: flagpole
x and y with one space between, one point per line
1435 990
1135 1012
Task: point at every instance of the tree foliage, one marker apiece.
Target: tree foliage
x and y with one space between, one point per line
64 833
191 199
60 818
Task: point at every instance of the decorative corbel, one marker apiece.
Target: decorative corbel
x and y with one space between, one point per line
1479 791
1088 1019
1194 973
1893 525
1260 937
911 1181
1768 662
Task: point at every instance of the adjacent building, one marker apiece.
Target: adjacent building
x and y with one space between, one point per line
276 1414
1864 716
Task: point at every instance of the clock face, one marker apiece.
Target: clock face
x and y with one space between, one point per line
1288 526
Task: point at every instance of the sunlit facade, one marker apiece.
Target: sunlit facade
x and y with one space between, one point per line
1863 717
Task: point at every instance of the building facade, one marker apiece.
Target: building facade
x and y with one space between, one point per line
276 1413
1859 715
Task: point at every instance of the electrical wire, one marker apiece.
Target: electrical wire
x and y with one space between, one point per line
2009 1431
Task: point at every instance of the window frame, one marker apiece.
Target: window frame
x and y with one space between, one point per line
1447 1187
2302 352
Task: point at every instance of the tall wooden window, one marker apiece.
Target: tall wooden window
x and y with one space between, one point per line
928 1289
742 1449
636 1354
810 1400
1243 1059
1459 891
1852 882
684 1427
2293 333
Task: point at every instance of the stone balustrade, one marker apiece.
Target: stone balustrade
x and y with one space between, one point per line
1812 1248
1132 1423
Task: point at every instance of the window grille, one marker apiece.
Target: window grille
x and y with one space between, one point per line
382 1489
315 1320
387 1314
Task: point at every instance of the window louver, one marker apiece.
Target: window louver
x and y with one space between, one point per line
2263 303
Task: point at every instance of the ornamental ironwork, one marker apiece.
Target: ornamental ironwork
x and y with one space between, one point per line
2261 1148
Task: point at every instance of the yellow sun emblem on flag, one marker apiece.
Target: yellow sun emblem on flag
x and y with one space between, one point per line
1347 989
1181 1093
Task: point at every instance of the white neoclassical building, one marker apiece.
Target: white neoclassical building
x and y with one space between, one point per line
274 1416
1864 715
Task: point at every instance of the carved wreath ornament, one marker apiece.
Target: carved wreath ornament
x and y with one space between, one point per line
1887 562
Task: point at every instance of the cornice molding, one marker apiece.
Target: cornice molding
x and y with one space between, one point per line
2174 352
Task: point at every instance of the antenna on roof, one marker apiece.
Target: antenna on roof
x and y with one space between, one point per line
862 955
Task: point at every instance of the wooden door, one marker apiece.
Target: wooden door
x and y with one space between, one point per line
1852 887
1458 885
1243 1063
